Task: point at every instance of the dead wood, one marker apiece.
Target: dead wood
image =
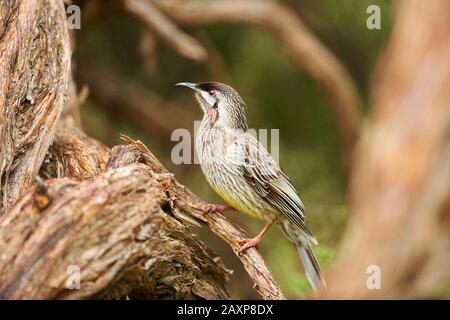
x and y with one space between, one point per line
34 74
110 213
73 153
115 231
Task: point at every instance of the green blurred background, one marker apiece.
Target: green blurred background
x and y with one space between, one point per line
278 94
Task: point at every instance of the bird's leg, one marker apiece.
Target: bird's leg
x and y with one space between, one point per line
253 242
220 208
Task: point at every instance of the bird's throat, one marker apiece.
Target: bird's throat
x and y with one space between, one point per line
211 112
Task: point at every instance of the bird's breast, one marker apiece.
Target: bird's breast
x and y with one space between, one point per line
224 172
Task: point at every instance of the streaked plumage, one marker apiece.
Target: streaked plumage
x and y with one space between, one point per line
245 175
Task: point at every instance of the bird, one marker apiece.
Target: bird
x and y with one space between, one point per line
244 174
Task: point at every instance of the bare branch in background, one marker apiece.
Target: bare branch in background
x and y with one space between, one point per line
33 83
400 185
169 32
304 47
146 109
147 46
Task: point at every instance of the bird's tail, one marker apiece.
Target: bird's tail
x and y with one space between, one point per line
303 244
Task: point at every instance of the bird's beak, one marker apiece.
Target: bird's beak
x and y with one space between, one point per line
188 85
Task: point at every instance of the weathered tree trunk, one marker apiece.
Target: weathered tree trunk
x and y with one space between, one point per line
34 76
113 228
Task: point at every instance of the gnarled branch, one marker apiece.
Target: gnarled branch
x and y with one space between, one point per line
114 231
157 22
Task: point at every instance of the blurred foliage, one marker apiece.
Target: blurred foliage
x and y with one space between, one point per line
278 95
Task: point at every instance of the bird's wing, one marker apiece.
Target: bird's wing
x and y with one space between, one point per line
263 174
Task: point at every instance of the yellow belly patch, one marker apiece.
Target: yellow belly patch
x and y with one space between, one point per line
238 206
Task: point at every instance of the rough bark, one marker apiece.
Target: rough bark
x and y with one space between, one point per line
34 74
115 231
117 215
73 154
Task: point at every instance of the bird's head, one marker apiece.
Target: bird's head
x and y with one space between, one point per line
221 104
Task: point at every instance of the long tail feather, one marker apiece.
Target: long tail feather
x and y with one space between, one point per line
303 243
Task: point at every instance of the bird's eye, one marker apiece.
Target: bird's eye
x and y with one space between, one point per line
212 92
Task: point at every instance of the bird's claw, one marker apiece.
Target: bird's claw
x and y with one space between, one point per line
214 208
247 244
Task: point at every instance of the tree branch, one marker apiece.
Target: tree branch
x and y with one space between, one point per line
115 231
158 23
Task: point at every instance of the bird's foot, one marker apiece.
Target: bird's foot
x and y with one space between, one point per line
249 243
213 208
253 242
